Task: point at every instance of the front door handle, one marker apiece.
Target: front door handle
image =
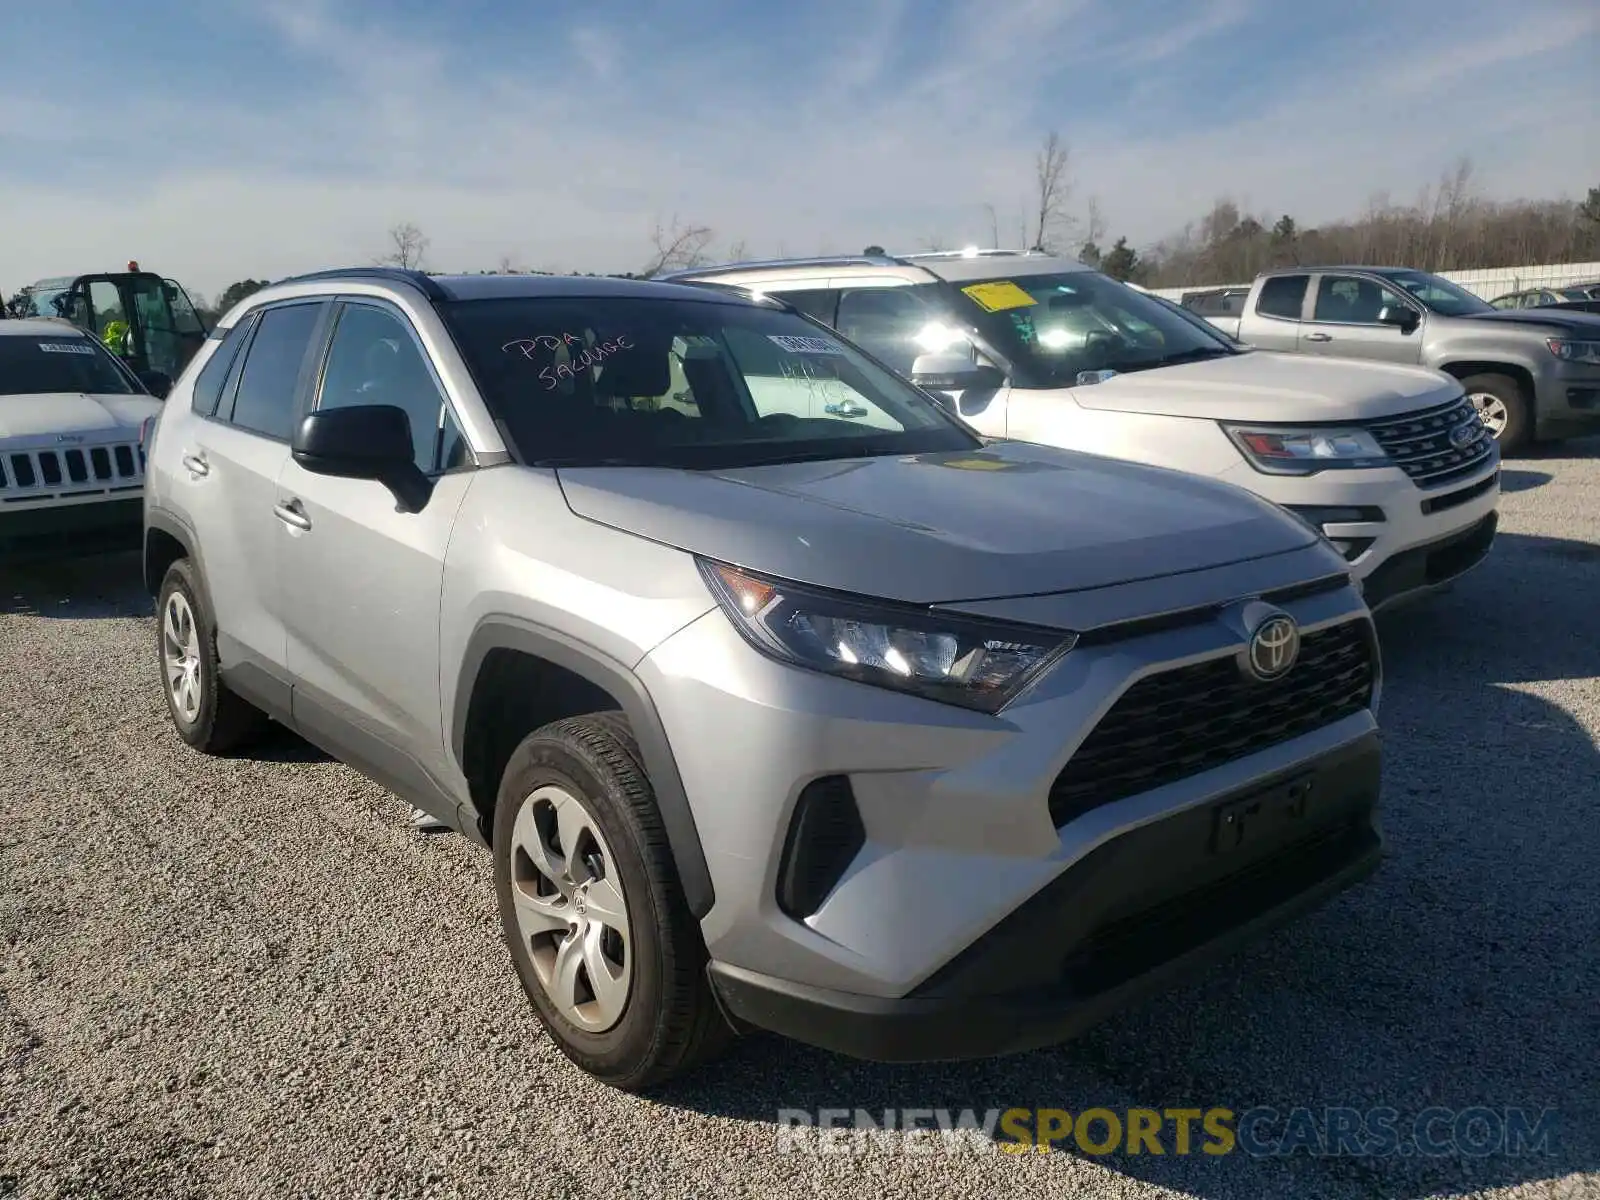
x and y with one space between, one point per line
197 464
1319 337
292 513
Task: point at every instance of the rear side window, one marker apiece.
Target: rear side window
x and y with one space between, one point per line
208 385
1283 296
268 385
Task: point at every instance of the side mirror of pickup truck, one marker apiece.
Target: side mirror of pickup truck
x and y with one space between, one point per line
1402 316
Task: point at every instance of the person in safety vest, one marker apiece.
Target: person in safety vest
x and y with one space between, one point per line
118 338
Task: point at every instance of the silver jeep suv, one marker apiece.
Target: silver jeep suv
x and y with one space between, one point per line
780 700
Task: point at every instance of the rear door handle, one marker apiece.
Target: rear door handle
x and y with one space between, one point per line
292 513
197 464
1319 337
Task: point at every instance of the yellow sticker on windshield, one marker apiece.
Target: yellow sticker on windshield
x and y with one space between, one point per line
999 295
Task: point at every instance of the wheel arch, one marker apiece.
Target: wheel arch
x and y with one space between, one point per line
166 540
1466 368
560 676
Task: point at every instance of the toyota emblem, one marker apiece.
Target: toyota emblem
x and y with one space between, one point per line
1273 648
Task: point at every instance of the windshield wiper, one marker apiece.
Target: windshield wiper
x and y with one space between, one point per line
816 454
1198 354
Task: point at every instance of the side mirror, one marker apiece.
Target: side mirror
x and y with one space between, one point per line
1401 316
367 441
955 373
157 383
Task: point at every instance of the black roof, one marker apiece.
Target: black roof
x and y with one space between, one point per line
501 287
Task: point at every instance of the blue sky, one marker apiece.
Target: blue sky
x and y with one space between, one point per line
230 138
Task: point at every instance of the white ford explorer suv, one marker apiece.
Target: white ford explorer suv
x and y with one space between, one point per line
1390 462
71 467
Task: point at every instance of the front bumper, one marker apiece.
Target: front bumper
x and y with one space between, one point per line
1380 517
961 818
1414 573
1568 401
1141 912
67 529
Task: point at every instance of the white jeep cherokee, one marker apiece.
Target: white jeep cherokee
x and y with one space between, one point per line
71 465
1391 463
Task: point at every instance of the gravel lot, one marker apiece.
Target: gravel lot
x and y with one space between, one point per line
248 978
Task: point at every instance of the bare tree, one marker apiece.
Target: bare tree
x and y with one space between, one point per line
1096 222
676 247
739 251
994 226
508 266
407 247
935 243
1051 189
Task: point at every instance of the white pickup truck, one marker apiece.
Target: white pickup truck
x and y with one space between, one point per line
1391 463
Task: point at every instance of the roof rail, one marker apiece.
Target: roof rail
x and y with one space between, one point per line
744 291
826 260
420 280
972 253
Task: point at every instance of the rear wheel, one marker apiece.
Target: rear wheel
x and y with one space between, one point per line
206 714
592 909
1502 407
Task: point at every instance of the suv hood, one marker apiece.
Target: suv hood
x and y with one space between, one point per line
1264 385
1579 324
46 414
1013 519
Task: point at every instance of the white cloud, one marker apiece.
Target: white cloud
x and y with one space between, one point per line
554 168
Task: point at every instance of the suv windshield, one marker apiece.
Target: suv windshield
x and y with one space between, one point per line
1052 327
597 381
66 363
1440 295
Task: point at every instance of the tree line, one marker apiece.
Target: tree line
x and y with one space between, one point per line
1450 226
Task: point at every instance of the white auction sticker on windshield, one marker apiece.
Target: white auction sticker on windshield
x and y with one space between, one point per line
804 345
66 347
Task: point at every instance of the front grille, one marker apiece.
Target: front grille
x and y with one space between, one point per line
1181 722
100 468
1419 443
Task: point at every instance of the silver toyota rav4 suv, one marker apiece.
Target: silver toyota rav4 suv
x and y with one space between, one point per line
780 699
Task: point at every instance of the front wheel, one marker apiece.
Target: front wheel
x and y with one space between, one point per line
592 910
1502 408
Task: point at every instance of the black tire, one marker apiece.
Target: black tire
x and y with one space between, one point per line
671 1022
224 722
1517 432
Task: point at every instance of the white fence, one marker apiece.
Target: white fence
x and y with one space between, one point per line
1489 283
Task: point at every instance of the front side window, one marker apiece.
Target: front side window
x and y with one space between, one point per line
1440 295
887 323
1054 327
685 383
58 363
268 385
1352 300
374 359
1283 296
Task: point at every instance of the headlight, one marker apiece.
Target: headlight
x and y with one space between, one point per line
976 664
1570 351
1291 451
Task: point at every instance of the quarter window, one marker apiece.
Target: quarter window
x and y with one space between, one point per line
375 359
1283 296
208 384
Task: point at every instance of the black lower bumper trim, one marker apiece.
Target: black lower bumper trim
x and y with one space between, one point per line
67 530
1432 564
1137 914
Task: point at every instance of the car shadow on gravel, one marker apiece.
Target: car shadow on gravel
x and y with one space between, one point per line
1459 977
1516 480
87 588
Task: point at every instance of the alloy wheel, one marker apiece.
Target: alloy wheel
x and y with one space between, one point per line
180 654
1491 411
570 910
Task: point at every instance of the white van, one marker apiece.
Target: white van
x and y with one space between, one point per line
1391 463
